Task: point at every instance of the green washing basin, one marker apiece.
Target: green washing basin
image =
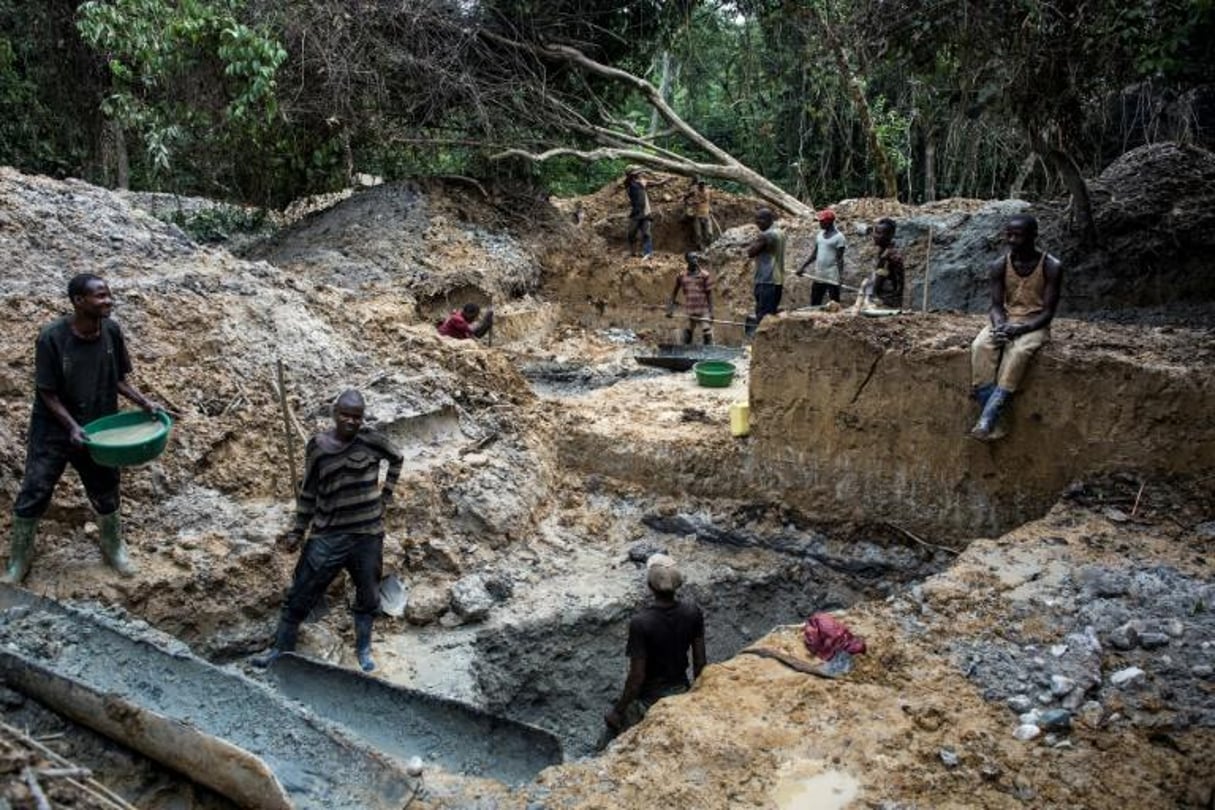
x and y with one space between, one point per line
127 438
714 373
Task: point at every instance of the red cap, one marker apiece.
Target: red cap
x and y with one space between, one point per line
826 215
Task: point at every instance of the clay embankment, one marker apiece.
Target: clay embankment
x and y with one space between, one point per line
872 415
865 419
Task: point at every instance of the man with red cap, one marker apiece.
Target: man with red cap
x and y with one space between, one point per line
828 258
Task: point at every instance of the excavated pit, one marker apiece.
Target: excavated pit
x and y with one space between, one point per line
562 673
550 464
553 656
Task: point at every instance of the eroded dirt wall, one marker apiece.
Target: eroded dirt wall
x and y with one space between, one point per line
870 415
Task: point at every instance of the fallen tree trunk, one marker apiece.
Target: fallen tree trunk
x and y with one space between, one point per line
618 145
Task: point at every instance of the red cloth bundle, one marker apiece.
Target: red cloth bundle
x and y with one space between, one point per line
826 635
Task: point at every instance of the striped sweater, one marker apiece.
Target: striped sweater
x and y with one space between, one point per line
341 492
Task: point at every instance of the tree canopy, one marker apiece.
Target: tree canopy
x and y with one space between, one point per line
264 100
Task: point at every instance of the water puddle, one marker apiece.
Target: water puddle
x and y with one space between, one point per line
827 790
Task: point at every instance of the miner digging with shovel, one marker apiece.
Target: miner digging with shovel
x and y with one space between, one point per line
341 506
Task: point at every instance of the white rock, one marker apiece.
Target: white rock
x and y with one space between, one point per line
1125 676
1090 714
1058 650
1027 732
1060 685
1020 703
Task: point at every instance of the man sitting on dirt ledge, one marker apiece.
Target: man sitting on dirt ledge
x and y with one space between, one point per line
1025 288
460 323
80 367
659 639
341 503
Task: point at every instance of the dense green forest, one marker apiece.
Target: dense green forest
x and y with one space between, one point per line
262 101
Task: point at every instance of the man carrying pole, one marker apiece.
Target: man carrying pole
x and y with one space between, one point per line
697 288
341 505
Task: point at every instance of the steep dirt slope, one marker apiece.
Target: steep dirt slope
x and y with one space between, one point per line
205 331
927 718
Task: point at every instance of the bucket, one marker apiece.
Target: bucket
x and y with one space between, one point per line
740 419
127 438
714 373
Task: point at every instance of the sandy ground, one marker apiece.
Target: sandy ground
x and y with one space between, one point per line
490 490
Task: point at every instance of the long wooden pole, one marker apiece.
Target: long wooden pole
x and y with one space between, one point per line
287 432
927 267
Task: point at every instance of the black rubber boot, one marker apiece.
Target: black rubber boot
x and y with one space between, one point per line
707 337
985 429
284 641
362 641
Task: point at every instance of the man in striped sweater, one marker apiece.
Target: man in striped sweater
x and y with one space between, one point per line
341 507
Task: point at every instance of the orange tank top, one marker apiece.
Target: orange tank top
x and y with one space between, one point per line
1024 295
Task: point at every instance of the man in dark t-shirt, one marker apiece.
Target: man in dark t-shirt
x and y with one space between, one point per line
660 637
80 367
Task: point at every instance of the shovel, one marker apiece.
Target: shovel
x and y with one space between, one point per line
393 596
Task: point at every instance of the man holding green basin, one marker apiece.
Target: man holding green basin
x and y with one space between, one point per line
80 367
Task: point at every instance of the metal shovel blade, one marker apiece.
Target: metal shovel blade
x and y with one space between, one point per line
392 596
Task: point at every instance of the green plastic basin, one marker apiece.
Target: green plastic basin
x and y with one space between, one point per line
714 373
127 438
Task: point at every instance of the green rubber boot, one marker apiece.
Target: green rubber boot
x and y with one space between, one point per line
20 550
112 547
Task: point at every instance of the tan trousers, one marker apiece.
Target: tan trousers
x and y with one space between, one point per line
1004 365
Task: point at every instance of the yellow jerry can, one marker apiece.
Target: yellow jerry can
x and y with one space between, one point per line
740 418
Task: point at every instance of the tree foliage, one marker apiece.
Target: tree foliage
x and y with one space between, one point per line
183 72
263 100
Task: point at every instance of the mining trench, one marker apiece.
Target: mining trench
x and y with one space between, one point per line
149 691
553 655
549 658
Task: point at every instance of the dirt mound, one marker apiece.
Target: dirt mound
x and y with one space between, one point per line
607 212
1152 209
919 724
435 249
205 331
1155 212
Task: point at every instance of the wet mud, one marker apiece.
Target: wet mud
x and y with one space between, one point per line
316 766
406 723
